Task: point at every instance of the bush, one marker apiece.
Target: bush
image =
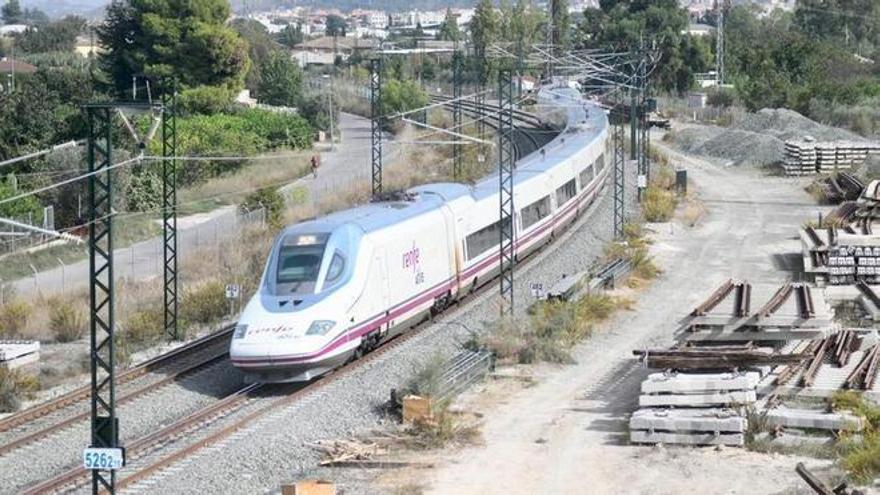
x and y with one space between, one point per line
205 304
15 385
144 192
66 322
720 97
145 326
658 205
14 317
270 199
205 100
859 456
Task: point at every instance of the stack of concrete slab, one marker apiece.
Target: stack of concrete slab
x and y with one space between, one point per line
813 420
800 158
17 353
693 409
804 157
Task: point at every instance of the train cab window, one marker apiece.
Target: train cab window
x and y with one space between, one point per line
299 264
565 192
299 261
586 176
535 212
335 269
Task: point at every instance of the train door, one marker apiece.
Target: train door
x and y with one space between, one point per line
381 274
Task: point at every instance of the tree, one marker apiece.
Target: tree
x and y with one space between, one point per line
449 28
290 36
484 31
185 39
336 25
59 36
12 12
280 81
261 46
561 24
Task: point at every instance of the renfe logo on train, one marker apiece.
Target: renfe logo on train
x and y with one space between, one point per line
412 261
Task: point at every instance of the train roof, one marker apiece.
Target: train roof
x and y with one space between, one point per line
585 123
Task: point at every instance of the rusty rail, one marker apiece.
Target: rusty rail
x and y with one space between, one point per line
743 299
859 377
719 295
804 299
775 302
814 237
818 357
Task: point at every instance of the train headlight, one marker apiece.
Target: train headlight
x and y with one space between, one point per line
320 327
240 332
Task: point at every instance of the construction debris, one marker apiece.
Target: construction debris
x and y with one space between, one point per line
417 409
819 486
309 487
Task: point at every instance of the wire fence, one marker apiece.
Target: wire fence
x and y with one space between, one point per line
143 260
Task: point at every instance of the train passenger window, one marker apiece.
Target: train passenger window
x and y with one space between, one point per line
335 268
600 162
299 263
482 240
586 176
566 192
534 212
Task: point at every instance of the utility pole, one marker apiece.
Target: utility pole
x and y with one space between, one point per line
719 44
169 207
617 119
506 166
456 116
376 124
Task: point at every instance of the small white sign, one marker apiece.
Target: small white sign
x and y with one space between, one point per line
103 459
643 181
537 290
232 291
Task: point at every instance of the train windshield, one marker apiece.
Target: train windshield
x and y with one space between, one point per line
299 261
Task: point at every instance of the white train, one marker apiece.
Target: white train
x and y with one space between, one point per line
339 286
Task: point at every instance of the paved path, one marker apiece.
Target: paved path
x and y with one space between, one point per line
568 433
349 160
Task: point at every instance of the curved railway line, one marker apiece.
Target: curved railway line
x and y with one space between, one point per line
34 424
209 425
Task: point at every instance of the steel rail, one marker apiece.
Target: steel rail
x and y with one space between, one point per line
82 393
64 423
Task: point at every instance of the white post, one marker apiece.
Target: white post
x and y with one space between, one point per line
35 276
63 276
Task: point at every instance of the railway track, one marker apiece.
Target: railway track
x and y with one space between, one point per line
154 452
37 423
529 137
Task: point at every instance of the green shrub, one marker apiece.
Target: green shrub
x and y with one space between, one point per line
66 321
145 326
205 304
270 199
144 191
205 99
860 456
14 317
14 386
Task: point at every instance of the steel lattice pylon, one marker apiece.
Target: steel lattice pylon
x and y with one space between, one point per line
104 424
456 115
169 208
376 123
618 136
505 186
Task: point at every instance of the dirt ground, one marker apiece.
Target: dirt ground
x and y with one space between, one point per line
567 432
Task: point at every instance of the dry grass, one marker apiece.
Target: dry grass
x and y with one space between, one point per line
693 212
859 454
14 386
232 188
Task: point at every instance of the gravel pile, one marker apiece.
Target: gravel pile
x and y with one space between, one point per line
274 450
756 139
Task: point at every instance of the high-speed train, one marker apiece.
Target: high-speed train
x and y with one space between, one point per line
338 286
